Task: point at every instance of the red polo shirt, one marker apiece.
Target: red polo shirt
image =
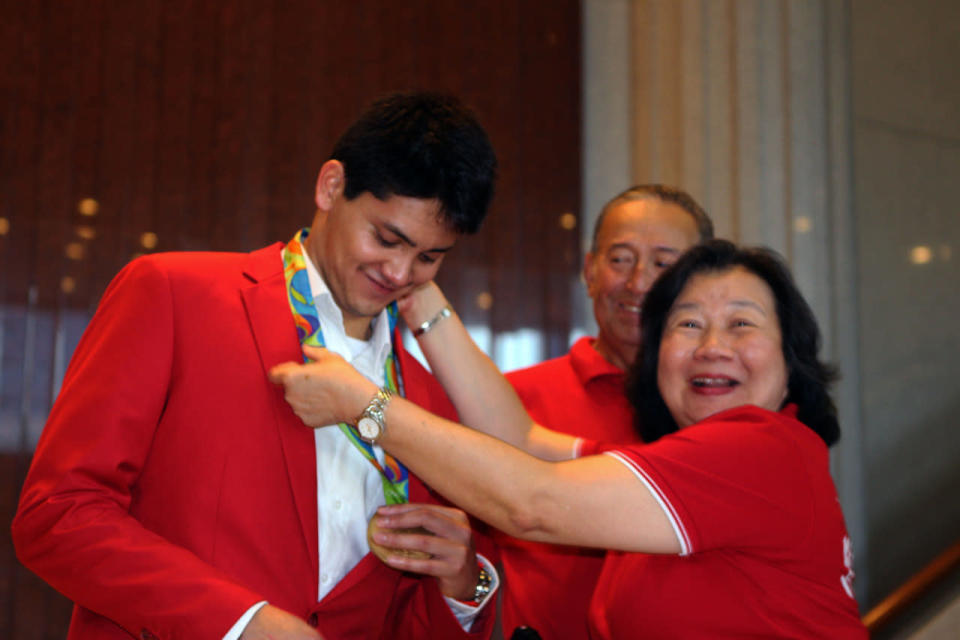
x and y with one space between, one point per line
548 587
765 551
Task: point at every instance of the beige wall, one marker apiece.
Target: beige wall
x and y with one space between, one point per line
906 159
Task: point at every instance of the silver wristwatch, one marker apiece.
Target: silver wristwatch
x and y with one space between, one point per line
372 424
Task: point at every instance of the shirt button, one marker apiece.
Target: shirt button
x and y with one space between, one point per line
324 578
337 504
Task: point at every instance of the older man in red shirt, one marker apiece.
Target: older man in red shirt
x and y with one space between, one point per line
639 233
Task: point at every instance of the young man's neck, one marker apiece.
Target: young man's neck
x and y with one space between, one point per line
358 328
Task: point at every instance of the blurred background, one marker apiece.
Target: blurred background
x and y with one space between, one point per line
826 129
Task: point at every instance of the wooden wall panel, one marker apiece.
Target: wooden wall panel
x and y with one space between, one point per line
205 123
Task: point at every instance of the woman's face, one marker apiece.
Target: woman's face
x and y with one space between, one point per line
721 347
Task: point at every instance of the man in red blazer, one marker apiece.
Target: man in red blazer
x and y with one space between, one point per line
174 494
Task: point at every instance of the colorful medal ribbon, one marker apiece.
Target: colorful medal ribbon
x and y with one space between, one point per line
392 473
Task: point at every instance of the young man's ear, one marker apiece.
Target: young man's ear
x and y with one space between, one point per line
331 182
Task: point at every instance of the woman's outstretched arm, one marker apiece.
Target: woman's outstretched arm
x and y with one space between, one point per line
483 397
594 501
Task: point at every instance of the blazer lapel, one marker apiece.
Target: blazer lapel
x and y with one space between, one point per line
271 322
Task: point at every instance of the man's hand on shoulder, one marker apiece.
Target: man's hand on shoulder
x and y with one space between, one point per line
272 623
448 554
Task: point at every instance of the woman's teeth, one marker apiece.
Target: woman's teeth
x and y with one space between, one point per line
713 382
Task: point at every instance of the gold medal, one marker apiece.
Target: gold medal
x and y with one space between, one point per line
382 552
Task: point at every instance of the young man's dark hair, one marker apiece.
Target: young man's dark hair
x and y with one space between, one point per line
421 145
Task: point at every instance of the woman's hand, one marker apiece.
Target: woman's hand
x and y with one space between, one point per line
421 304
323 392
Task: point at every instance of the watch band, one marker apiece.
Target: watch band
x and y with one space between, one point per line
482 589
372 423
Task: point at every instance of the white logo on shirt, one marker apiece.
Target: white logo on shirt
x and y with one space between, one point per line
847 578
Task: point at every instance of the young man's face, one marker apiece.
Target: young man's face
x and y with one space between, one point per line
370 251
636 242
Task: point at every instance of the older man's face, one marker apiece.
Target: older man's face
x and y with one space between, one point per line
636 242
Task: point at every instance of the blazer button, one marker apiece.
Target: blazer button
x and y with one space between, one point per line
313 620
146 635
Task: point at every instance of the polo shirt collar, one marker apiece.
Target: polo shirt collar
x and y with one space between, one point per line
588 363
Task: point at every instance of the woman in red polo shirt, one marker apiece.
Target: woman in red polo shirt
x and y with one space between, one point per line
725 524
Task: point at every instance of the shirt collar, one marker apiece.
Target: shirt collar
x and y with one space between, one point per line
589 364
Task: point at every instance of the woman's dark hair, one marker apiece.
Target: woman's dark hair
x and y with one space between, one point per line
421 145
809 378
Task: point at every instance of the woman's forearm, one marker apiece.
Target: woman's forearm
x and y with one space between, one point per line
594 501
461 460
483 397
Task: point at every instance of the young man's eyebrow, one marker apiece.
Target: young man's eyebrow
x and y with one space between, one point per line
400 234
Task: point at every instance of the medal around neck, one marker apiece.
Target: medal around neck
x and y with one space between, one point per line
393 475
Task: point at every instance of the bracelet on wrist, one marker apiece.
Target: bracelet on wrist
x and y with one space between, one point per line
427 325
482 589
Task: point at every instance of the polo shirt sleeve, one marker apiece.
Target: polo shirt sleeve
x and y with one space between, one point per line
737 480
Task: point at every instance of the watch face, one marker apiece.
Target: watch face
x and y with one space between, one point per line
369 428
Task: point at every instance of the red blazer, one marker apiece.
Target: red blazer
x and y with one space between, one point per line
173 487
